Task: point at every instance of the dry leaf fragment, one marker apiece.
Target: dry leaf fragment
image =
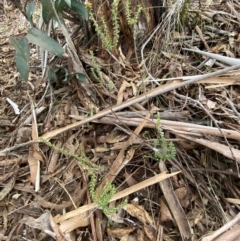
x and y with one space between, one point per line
54 157
194 216
134 88
125 237
140 235
9 185
42 223
123 87
119 232
164 211
33 163
211 104
55 228
115 137
183 196
23 135
129 179
139 212
150 232
69 225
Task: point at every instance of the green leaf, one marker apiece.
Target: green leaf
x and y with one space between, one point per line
74 5
17 47
41 39
22 67
29 12
47 11
68 2
79 8
60 5
81 77
22 56
23 42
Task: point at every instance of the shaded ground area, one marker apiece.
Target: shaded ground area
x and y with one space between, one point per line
51 188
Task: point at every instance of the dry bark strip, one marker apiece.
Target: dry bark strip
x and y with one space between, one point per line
175 206
223 149
146 96
192 129
223 59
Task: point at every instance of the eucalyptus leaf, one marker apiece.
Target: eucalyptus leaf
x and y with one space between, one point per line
69 3
60 4
76 6
81 77
79 8
22 67
42 40
22 56
23 42
29 12
18 47
47 11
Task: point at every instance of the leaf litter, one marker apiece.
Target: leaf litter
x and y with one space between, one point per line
44 193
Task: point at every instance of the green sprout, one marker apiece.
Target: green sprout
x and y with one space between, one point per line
132 18
168 150
103 31
102 200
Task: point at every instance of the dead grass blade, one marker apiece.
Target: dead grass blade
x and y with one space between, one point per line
35 156
175 206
